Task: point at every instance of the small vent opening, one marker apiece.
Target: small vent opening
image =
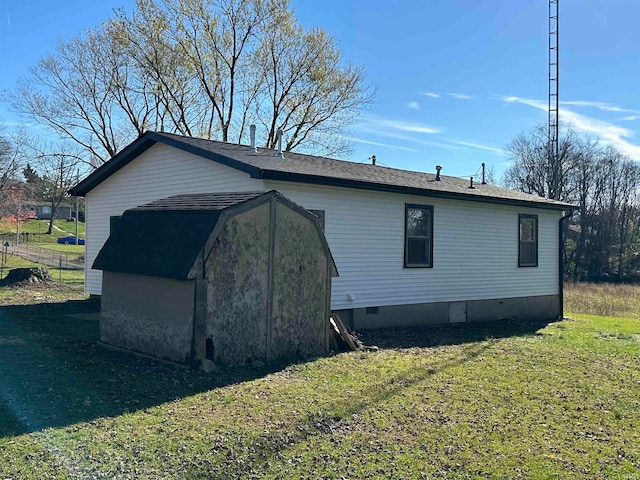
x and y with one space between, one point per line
209 349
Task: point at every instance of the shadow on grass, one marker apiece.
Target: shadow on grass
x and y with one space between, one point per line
53 373
453 334
472 341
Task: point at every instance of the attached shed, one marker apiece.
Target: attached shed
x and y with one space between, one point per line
225 277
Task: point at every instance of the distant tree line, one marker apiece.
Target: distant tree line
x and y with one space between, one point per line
603 237
204 68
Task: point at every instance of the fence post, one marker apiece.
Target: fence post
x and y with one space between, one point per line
60 272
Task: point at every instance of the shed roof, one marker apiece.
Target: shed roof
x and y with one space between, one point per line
163 238
296 167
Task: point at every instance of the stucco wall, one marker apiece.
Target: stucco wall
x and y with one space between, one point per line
148 314
237 288
267 287
300 311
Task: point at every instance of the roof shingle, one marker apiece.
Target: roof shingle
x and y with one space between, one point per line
321 170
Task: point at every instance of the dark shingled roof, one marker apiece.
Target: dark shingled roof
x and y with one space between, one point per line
163 238
296 167
198 201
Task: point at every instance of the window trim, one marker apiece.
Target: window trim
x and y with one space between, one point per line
408 206
522 216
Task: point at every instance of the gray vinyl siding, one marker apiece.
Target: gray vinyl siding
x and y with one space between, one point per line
475 251
160 171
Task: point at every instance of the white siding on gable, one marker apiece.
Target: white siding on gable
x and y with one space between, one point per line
159 172
475 254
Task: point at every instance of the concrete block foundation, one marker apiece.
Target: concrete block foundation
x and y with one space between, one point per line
541 308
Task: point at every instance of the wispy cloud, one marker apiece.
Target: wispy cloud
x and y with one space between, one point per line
381 144
11 123
526 101
407 132
8 18
499 151
430 94
399 125
460 96
628 118
607 107
606 131
414 106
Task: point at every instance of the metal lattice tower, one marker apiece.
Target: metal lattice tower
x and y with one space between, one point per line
553 79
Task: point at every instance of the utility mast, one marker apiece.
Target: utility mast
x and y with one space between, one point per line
554 151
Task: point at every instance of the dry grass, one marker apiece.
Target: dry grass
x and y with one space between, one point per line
605 299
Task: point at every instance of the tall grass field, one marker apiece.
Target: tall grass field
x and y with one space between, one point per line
602 299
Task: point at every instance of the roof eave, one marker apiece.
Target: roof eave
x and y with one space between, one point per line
143 143
116 162
148 139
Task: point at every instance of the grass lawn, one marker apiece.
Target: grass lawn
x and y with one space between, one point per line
504 400
37 237
73 278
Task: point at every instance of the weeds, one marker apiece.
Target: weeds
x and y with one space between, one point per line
604 299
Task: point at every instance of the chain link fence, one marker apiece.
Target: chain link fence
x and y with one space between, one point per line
56 261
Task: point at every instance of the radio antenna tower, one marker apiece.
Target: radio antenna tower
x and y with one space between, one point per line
554 70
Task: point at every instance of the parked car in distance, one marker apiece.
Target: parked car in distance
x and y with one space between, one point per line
70 240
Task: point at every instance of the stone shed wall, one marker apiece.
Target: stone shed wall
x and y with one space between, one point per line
300 287
150 315
237 289
268 287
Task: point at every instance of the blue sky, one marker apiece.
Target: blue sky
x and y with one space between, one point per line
455 79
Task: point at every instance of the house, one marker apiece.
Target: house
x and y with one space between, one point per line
412 248
42 210
229 278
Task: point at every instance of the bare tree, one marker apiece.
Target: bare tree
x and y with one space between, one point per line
535 169
603 241
204 68
10 164
159 68
83 92
56 164
310 93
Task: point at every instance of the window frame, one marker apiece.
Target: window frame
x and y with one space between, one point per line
429 208
522 216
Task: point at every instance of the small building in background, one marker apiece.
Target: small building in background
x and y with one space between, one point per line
42 210
228 278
